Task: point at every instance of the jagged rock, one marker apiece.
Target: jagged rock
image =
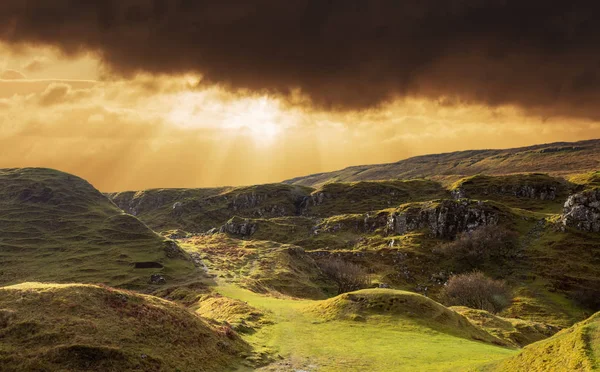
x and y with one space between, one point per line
458 193
445 219
239 226
312 200
582 211
175 234
212 231
172 250
157 279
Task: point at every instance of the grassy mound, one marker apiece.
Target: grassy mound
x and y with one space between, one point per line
386 305
517 332
361 197
262 266
241 316
573 349
56 227
586 180
75 327
535 192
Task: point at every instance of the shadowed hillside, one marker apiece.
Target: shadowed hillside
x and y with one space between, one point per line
555 158
57 227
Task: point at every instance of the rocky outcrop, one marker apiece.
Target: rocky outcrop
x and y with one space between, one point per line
523 186
582 211
542 192
239 226
443 219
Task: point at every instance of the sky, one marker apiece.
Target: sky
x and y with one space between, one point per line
137 94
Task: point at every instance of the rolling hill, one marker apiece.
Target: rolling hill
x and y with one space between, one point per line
55 227
560 158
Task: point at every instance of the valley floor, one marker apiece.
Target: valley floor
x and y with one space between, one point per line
305 343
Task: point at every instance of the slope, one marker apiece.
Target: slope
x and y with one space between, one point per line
555 158
75 327
56 227
573 349
310 343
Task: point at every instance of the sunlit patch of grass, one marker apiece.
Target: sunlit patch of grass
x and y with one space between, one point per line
573 349
394 344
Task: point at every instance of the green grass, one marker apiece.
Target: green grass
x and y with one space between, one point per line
587 180
57 227
75 327
517 332
396 344
573 349
365 196
505 189
262 266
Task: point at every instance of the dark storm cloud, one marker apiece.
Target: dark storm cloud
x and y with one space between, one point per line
346 54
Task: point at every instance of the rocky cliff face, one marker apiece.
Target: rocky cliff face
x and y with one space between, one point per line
528 186
445 219
239 226
582 211
541 192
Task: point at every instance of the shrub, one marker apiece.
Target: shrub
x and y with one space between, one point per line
348 276
477 291
587 298
482 245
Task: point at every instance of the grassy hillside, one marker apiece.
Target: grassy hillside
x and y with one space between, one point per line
262 266
387 305
556 158
56 227
74 327
573 349
516 332
385 343
198 210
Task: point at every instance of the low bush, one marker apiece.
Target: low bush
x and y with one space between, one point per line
348 276
482 245
477 291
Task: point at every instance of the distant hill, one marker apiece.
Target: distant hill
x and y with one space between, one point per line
56 227
558 158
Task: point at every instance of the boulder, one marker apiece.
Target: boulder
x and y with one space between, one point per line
157 279
582 211
239 226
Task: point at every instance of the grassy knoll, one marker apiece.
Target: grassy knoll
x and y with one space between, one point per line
75 327
262 266
535 192
517 332
360 197
56 227
573 349
389 343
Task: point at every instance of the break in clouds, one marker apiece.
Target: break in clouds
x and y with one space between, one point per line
341 54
